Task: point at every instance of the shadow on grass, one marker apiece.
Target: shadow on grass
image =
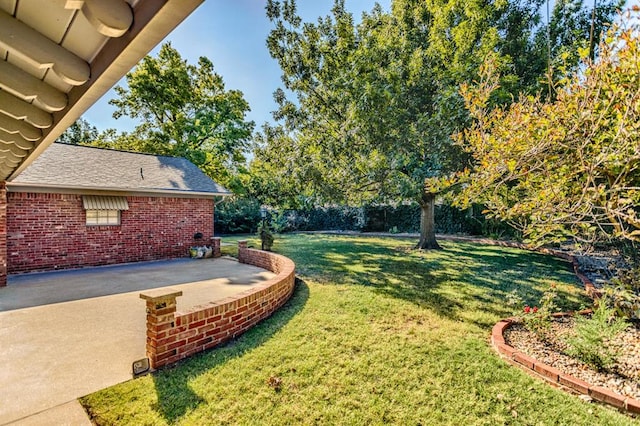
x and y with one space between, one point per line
462 277
176 398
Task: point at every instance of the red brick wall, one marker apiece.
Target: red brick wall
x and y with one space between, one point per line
172 336
261 259
48 231
3 234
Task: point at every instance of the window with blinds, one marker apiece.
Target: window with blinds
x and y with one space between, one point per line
104 210
103 217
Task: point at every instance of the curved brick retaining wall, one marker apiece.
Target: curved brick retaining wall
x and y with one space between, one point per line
172 336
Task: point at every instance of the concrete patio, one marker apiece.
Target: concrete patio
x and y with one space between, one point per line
66 334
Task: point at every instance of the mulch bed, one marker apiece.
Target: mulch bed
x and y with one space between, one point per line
623 377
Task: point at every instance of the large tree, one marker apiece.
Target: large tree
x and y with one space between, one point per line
537 46
569 167
186 111
375 103
79 133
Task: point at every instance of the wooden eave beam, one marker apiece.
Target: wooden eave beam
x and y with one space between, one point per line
26 130
110 18
28 88
15 139
18 109
153 20
28 44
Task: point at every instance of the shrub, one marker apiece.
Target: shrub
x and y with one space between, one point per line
535 319
266 236
277 221
591 338
622 294
382 218
404 217
344 218
242 215
237 215
538 320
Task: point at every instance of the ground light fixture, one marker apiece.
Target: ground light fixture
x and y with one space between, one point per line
263 215
140 367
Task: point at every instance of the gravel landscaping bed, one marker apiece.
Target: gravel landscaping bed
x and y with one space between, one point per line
623 377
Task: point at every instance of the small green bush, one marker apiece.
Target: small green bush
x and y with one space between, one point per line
237 216
538 319
591 338
266 236
622 294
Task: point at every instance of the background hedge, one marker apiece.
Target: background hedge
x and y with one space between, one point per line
242 215
237 216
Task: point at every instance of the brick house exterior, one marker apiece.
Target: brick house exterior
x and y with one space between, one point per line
149 207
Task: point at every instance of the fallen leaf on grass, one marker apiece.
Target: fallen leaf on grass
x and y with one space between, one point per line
275 383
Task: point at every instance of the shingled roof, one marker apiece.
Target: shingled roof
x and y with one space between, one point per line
58 57
77 167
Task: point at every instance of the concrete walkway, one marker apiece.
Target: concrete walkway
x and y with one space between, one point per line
66 334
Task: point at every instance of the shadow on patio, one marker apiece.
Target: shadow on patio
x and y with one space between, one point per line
66 334
202 280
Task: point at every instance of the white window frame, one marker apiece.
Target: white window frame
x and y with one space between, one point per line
102 217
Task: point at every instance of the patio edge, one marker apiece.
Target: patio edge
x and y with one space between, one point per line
172 336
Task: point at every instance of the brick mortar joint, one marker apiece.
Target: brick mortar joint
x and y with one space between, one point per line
266 299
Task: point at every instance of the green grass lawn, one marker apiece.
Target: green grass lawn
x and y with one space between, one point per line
375 333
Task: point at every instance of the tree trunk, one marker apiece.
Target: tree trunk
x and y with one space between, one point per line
428 223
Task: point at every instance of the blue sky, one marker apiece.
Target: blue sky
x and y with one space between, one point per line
232 34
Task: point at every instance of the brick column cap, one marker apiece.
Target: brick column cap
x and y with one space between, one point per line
160 294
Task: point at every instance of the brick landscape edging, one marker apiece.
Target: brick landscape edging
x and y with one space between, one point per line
172 336
538 368
555 376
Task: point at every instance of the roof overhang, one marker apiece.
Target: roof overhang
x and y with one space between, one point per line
59 58
86 190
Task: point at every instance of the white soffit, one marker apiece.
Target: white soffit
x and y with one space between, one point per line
57 57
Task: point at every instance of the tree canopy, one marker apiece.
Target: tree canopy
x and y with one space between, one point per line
79 133
375 103
184 111
563 168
